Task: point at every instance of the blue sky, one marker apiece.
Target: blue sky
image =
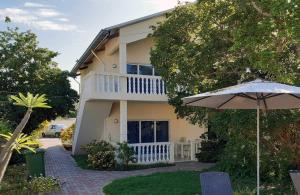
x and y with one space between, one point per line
68 26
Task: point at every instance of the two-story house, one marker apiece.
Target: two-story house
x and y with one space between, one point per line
123 98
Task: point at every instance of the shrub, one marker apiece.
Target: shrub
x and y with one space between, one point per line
211 148
5 128
44 184
125 154
101 155
67 134
37 133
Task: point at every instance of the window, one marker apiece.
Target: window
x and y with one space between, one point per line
132 69
147 131
133 132
146 70
162 131
141 69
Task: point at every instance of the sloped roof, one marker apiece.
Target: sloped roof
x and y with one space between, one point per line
107 33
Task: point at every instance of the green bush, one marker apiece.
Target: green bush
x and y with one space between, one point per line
5 128
101 155
44 184
43 126
211 148
67 134
125 154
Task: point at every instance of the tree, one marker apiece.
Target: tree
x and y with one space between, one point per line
24 66
214 44
30 102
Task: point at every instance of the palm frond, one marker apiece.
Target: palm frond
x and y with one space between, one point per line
30 101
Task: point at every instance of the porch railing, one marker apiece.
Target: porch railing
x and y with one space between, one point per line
147 153
130 84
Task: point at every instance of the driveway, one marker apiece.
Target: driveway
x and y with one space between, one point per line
77 181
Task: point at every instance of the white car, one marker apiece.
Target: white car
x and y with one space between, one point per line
54 130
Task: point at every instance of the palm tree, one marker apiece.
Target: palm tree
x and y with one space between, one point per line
37 101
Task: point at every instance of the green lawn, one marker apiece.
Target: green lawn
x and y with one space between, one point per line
176 183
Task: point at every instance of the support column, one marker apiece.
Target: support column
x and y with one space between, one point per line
123 66
123 120
123 57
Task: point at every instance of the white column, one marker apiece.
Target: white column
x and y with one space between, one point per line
193 152
172 153
123 120
123 65
123 57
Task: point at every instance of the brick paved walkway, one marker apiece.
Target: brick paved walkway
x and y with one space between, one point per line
77 181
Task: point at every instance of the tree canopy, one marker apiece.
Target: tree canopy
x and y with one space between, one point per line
26 67
214 44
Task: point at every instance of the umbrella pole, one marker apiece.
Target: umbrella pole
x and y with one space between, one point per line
257 146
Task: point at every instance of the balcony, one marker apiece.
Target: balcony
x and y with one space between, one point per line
112 86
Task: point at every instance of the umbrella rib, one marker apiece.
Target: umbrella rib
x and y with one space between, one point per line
196 100
273 95
246 96
294 96
226 101
264 100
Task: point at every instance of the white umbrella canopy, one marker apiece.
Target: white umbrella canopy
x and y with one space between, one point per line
257 94
269 95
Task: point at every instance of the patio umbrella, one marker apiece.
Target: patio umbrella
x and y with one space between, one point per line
257 94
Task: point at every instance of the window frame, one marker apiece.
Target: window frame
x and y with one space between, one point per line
140 129
138 69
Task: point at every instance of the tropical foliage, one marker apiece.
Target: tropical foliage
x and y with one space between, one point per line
42 127
215 44
29 102
23 141
24 66
125 154
67 134
101 155
43 184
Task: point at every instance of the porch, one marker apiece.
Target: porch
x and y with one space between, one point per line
166 152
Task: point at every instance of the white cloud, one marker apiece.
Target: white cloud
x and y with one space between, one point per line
48 13
33 19
50 25
17 15
35 5
63 19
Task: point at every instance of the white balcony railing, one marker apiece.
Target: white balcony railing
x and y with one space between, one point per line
141 84
112 85
147 153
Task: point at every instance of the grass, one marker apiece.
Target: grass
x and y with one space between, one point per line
81 161
178 183
15 180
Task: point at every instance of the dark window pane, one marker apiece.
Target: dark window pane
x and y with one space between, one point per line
162 131
131 69
145 70
133 132
147 131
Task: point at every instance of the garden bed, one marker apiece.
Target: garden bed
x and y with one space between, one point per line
81 161
181 182
15 181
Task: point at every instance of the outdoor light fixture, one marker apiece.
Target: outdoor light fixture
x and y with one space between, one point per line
116 121
114 66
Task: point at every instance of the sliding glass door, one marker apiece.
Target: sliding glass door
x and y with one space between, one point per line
147 131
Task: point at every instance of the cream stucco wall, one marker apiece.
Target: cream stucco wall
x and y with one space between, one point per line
151 111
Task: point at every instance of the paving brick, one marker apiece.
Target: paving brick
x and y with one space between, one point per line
76 181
